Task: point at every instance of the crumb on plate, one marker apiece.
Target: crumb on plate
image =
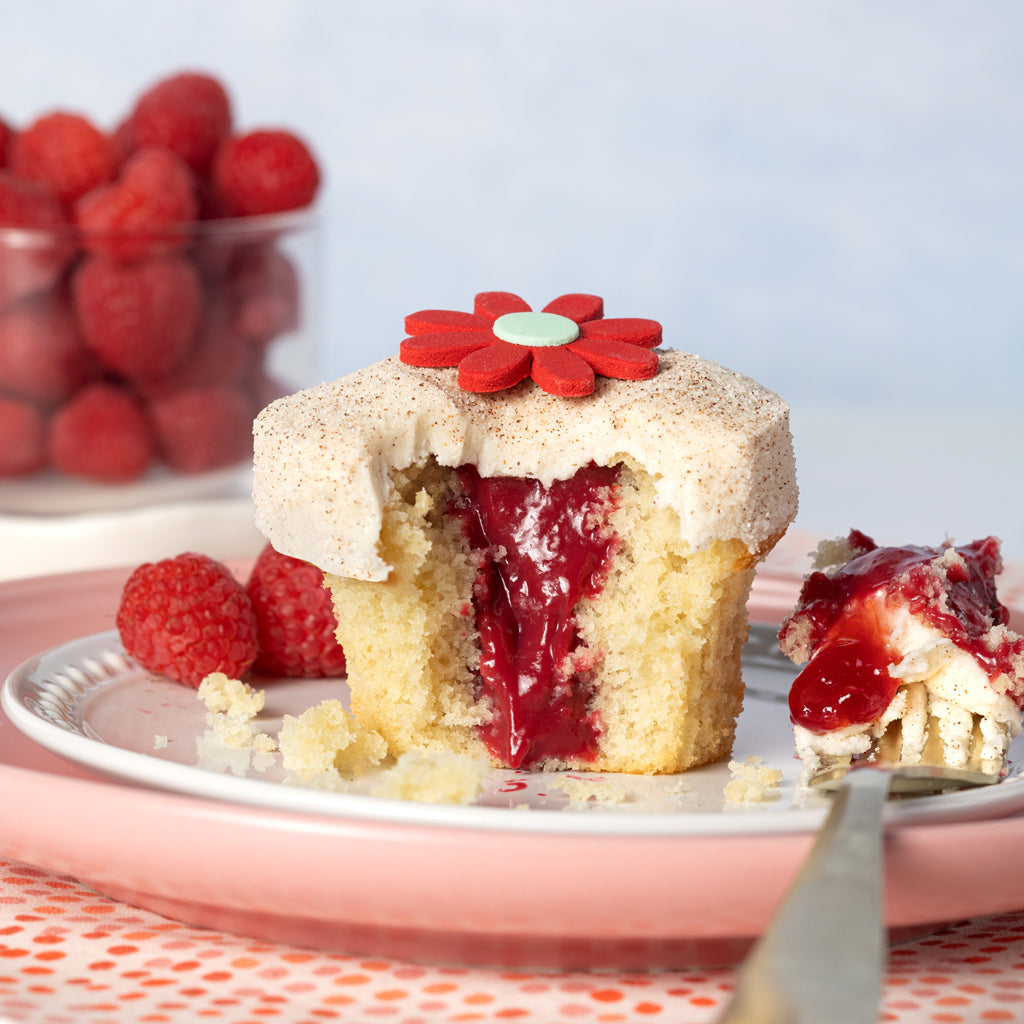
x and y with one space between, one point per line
752 782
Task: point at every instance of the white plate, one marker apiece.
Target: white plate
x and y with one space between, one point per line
87 702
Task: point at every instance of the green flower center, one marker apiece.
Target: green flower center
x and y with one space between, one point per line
547 330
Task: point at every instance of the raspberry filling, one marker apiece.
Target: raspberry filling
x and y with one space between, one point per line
539 550
847 680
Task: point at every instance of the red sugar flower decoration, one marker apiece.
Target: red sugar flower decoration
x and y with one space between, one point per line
562 347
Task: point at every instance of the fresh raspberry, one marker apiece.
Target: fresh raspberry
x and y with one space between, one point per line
43 356
202 428
295 617
65 152
139 318
22 438
262 387
265 171
188 113
141 213
263 286
101 434
35 264
28 204
185 617
5 140
219 355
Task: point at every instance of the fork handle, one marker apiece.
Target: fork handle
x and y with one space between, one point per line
822 957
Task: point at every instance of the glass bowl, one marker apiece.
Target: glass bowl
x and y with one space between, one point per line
132 365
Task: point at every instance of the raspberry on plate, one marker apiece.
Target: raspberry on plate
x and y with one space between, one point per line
42 353
101 434
186 617
202 428
188 113
265 171
64 151
135 217
295 617
22 438
139 318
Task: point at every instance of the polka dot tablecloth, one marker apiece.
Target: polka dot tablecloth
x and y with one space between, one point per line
68 956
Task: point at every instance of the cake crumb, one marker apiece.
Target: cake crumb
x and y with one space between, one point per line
160 742
752 782
434 778
327 739
223 695
231 710
581 790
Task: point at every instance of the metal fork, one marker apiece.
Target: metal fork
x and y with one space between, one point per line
823 956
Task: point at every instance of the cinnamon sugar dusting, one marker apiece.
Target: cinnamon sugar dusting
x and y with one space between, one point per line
716 442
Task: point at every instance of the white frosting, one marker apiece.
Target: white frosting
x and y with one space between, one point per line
717 443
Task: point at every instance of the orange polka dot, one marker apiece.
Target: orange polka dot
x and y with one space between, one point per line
996 1015
478 999
351 979
652 1008
511 1012
606 995
245 961
439 988
391 994
338 1000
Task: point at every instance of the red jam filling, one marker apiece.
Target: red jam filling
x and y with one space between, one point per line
847 680
540 550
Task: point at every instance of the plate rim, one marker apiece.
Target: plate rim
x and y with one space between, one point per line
141 769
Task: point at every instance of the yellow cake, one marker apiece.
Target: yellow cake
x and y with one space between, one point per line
682 482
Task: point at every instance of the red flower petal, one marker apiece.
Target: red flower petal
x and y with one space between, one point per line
619 359
495 304
494 368
577 307
443 348
646 333
430 321
561 372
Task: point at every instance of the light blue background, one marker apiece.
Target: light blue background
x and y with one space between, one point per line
828 196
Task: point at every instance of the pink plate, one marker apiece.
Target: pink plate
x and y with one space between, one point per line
420 890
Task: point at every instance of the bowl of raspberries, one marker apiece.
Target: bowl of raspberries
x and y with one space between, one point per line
157 289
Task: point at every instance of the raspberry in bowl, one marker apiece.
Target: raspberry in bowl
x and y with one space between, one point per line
157 290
